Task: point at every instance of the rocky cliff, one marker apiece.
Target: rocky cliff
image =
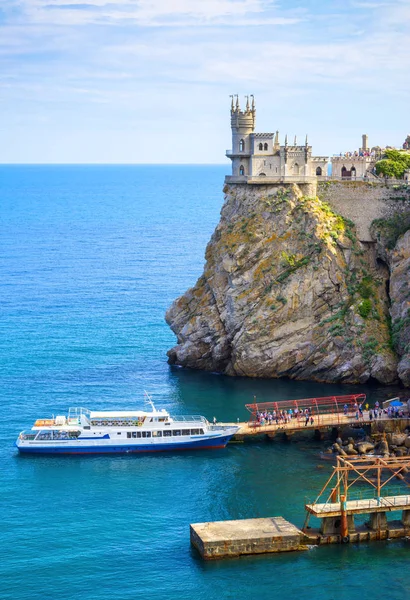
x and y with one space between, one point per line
393 247
289 291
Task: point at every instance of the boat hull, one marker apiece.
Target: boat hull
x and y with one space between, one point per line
80 448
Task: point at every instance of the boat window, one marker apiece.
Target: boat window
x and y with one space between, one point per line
162 419
194 431
28 436
201 431
167 433
118 432
185 432
176 432
45 435
134 434
157 434
146 434
138 434
128 434
60 435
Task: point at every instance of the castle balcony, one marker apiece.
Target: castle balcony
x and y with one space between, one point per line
236 179
231 154
263 180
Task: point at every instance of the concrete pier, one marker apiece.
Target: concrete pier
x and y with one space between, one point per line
222 539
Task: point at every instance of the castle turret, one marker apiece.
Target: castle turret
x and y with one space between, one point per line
242 125
365 143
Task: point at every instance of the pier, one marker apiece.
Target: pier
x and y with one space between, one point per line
246 536
318 415
358 486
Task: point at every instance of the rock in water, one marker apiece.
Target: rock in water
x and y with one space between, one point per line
396 439
365 447
287 291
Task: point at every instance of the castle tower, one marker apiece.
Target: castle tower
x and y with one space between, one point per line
365 143
242 125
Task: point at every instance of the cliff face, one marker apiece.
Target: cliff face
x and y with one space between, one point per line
393 247
400 309
287 291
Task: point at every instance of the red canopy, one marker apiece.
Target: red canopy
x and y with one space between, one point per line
328 404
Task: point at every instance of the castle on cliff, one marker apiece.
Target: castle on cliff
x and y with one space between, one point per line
261 158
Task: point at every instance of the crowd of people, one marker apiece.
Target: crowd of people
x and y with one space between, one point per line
356 153
305 415
285 416
375 412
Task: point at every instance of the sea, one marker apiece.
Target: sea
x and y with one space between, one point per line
90 259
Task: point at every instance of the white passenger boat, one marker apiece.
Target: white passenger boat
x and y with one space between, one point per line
99 432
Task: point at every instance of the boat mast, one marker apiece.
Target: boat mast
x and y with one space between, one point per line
148 400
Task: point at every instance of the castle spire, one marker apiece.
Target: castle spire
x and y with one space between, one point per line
276 144
253 103
286 140
306 142
237 103
295 143
247 103
232 106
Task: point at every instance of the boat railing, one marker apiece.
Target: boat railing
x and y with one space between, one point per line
77 412
188 419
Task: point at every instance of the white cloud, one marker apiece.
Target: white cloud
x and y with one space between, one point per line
155 13
161 63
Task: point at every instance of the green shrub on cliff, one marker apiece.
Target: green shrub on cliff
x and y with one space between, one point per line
389 230
394 165
365 308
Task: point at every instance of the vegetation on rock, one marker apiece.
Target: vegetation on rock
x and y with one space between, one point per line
394 165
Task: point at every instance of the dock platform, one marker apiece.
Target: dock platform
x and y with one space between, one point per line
372 505
222 539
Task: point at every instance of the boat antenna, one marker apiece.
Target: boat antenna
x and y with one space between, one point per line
148 400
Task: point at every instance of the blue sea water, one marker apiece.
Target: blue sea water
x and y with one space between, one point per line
90 258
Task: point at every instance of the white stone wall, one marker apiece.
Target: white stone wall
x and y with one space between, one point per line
236 138
237 162
270 165
360 163
262 138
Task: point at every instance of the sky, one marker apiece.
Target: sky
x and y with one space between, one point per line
148 81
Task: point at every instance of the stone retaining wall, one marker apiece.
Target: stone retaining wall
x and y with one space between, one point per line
363 202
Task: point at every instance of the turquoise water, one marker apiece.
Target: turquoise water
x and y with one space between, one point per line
90 258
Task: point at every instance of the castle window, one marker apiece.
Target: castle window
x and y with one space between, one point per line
319 171
265 146
353 171
296 169
241 170
241 146
261 146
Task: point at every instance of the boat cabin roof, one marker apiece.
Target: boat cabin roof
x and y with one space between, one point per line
127 414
